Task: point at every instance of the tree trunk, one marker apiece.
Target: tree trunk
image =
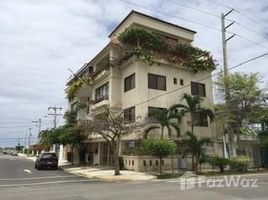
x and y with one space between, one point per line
115 149
193 164
221 168
72 149
196 165
160 165
192 123
172 164
162 133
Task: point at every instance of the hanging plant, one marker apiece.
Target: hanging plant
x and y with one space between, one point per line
150 45
76 85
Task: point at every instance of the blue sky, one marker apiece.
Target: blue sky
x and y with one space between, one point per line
41 39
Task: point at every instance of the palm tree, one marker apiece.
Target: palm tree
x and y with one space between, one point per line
193 106
196 147
164 118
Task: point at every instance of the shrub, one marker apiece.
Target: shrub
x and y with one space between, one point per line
240 163
159 148
219 162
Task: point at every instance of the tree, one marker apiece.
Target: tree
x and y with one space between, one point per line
243 105
219 162
48 138
193 105
159 148
164 118
19 148
71 135
112 126
68 134
196 147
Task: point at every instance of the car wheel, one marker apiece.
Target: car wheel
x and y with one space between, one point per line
56 168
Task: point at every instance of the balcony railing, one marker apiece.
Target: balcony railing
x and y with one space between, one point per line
101 98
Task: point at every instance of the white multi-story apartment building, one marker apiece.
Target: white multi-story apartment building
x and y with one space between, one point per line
138 87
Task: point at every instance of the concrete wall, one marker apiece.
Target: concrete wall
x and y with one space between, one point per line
141 94
155 25
149 163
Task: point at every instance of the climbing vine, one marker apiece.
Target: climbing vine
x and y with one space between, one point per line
150 45
74 86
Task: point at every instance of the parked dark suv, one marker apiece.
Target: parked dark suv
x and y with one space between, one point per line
46 160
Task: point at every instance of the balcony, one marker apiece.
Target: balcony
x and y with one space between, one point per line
101 101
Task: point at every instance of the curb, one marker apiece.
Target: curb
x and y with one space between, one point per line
103 178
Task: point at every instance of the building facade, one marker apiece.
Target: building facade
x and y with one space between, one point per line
138 87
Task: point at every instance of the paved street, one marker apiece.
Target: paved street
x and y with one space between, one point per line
19 180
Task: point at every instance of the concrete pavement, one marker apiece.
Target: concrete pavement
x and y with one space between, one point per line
105 174
57 185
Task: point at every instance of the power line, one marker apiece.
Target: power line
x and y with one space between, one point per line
174 16
239 12
194 22
220 4
250 30
14 122
55 114
4 127
249 18
205 78
251 41
193 8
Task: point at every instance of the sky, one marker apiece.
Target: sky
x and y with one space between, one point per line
42 40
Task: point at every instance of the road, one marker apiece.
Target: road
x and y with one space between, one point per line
20 181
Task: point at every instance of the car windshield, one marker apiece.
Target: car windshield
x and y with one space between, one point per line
49 155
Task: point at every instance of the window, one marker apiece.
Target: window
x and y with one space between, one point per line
175 81
181 82
198 89
74 106
156 82
129 114
102 93
200 119
152 110
129 82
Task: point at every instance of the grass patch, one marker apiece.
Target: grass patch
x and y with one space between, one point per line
167 176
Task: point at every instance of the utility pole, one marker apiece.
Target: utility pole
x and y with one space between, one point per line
226 83
29 141
18 149
55 114
39 122
25 142
224 50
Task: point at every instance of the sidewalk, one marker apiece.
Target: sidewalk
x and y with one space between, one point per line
108 174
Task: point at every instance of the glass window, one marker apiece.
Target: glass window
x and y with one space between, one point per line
198 89
102 93
153 110
175 81
200 119
181 82
156 82
130 82
129 114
